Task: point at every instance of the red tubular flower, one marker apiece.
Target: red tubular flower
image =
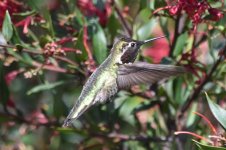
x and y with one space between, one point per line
215 14
175 10
12 6
25 23
9 77
195 9
28 21
158 50
89 9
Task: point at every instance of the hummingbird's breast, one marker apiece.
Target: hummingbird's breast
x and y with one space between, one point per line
103 79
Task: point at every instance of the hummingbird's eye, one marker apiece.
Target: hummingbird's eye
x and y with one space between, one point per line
132 44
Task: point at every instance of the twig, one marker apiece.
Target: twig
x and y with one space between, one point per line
202 39
197 90
123 21
24 49
176 34
40 52
50 67
163 15
30 122
85 43
143 138
66 60
47 67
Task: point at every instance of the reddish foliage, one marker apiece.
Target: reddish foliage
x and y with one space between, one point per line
12 6
53 4
195 9
56 48
9 77
10 103
192 66
37 117
90 62
215 14
27 21
159 50
68 49
214 130
52 48
194 134
65 40
89 9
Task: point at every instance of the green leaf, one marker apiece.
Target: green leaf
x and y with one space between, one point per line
16 38
113 26
207 147
145 30
26 13
218 112
42 87
49 22
41 7
79 45
164 25
7 29
99 44
181 40
128 107
2 39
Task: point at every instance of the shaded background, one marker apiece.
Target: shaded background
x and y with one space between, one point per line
49 48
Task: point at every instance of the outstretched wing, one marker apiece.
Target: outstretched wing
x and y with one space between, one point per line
142 72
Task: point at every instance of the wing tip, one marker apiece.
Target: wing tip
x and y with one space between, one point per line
182 69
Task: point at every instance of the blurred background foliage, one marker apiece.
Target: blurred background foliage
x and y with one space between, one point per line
48 48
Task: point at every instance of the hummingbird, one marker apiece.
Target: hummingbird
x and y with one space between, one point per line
119 71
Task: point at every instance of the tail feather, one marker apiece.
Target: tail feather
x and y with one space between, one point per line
73 115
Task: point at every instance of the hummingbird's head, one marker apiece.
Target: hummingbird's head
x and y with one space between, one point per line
128 48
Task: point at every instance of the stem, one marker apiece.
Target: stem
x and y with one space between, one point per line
47 67
176 34
124 137
30 122
123 21
214 130
193 134
65 59
85 43
50 67
24 49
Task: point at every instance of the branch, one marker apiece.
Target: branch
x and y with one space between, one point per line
50 67
197 90
176 34
142 138
46 67
40 52
85 43
123 21
24 49
17 118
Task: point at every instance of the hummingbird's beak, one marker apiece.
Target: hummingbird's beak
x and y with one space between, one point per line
149 40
